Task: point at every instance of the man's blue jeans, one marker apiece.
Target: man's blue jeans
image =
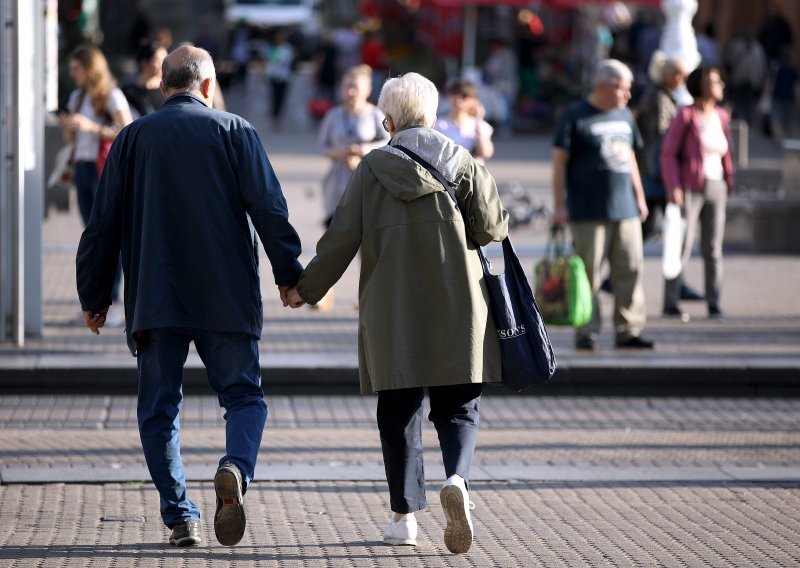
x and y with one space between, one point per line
231 361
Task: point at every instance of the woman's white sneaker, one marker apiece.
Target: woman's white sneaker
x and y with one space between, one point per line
402 532
456 506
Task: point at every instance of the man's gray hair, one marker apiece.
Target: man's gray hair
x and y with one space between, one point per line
411 100
193 70
611 72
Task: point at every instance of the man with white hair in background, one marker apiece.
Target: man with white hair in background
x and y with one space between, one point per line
597 188
174 197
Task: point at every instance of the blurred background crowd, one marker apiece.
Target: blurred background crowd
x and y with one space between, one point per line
528 59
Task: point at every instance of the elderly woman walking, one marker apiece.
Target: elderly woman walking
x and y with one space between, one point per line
424 319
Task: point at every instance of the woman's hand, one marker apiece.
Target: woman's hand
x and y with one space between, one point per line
479 111
293 298
79 123
644 211
338 153
676 197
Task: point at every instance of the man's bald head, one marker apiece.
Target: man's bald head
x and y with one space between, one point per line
186 68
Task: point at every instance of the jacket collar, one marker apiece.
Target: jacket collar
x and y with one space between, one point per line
185 97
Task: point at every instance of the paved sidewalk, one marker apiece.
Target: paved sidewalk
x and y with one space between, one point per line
577 482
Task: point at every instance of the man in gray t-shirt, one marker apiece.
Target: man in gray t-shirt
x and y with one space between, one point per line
596 186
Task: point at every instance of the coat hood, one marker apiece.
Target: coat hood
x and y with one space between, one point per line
406 180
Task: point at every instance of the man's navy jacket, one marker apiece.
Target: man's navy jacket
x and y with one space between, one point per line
173 198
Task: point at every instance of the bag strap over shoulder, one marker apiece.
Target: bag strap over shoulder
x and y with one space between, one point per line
487 266
433 171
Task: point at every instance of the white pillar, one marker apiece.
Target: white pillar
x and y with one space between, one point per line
21 169
32 82
678 40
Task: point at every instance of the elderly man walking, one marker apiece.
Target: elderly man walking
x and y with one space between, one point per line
596 186
174 198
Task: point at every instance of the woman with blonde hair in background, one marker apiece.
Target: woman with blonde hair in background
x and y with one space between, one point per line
97 111
347 133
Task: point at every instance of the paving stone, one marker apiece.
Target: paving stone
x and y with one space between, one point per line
340 524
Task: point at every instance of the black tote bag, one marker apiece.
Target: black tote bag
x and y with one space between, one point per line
525 350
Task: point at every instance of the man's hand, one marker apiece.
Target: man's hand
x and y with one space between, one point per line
294 299
559 216
284 291
95 320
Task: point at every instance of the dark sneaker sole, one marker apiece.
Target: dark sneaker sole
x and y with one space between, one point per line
185 541
458 534
229 520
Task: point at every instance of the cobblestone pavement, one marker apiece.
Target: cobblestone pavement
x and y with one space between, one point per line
339 524
569 517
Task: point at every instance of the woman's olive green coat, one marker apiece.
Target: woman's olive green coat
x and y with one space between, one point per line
423 313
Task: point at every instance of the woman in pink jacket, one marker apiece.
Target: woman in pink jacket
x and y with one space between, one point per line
697 171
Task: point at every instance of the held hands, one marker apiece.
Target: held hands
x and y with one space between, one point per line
290 297
95 320
295 301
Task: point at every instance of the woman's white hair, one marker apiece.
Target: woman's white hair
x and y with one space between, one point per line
611 72
411 100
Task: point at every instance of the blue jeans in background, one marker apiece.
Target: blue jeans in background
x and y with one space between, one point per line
86 181
231 361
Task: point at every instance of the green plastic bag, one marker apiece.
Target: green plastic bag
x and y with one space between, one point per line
562 287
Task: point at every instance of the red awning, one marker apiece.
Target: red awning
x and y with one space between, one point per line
547 3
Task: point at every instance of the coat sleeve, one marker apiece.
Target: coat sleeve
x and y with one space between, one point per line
671 151
99 247
487 220
264 201
338 245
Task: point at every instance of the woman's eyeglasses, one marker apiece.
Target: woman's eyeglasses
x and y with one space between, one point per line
385 124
